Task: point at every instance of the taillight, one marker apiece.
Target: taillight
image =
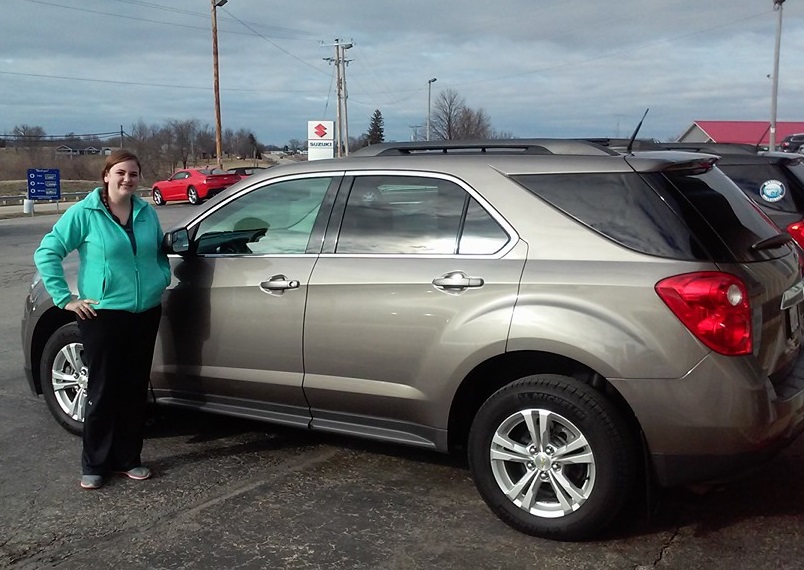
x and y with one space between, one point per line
713 306
796 230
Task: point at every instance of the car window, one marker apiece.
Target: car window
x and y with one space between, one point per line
766 184
276 218
676 215
620 206
415 215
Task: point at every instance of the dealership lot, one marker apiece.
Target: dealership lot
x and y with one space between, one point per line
233 493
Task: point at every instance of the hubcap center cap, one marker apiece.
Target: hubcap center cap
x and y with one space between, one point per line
542 461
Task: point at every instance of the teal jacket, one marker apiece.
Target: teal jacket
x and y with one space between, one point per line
109 271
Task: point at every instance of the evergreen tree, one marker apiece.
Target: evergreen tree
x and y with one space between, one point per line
376 131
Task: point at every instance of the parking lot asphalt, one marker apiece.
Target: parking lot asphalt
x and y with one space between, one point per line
232 493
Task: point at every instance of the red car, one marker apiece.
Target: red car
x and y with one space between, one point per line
192 184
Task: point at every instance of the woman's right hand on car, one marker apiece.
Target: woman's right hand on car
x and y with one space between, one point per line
82 308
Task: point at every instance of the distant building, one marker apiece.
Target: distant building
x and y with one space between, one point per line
743 132
77 150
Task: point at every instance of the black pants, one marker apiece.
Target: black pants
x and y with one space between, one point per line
119 350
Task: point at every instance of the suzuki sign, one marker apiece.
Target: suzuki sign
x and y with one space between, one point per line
320 140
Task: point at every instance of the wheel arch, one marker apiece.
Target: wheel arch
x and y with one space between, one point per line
50 321
498 371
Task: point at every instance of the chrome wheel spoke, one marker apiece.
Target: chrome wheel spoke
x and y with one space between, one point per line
76 410
527 480
569 496
73 354
538 423
510 450
63 381
566 453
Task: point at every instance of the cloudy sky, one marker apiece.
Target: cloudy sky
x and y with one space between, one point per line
536 67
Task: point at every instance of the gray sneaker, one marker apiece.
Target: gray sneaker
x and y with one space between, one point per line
91 481
137 473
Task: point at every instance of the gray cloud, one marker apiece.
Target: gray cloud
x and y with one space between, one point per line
537 67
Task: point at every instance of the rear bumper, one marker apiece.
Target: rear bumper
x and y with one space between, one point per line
214 192
723 418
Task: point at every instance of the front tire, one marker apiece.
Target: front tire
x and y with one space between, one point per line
64 378
552 457
192 196
156 194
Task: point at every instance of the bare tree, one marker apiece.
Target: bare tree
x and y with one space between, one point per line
473 124
183 133
27 136
205 142
452 119
294 145
445 116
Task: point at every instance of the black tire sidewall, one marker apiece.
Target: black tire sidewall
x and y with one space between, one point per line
599 421
67 334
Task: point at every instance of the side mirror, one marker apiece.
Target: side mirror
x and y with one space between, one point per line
176 241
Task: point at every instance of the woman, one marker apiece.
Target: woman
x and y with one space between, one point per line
122 275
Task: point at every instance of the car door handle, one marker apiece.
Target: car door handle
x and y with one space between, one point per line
457 280
279 283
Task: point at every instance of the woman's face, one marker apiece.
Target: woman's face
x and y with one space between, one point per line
122 179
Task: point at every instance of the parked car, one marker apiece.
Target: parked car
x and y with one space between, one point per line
773 180
574 319
193 185
793 143
245 171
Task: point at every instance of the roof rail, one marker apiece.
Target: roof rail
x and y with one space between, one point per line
495 146
622 144
712 147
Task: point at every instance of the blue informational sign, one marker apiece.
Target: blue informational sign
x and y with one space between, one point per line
44 184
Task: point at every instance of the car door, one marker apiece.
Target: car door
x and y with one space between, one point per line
175 187
416 286
231 337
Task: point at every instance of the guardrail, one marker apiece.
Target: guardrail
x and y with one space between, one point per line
65 197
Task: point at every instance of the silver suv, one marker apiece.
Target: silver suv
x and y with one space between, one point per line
573 319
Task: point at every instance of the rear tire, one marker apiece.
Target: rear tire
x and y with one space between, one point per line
552 457
192 196
64 378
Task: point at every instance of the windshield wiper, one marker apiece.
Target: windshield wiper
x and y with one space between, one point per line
772 242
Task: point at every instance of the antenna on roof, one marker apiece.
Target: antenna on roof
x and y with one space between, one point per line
761 138
636 130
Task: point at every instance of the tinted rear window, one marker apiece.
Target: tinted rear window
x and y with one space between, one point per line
677 216
736 222
768 184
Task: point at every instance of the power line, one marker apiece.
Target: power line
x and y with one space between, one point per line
168 9
141 84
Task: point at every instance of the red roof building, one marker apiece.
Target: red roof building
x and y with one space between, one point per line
745 132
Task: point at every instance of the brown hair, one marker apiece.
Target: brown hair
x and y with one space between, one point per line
116 157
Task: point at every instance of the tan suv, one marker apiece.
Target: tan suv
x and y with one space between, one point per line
575 319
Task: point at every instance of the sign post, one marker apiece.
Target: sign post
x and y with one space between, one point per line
43 184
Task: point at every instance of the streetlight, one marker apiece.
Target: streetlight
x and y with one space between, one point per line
429 90
777 5
215 86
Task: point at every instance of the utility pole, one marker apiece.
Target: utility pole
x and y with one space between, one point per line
215 81
341 111
777 5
